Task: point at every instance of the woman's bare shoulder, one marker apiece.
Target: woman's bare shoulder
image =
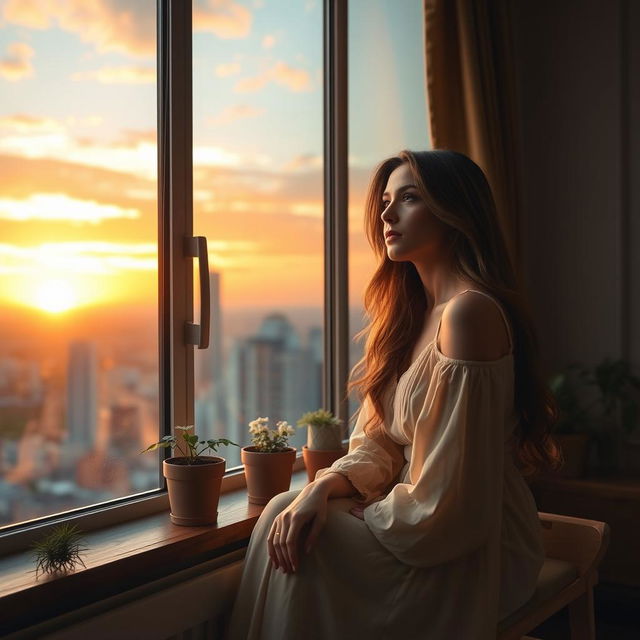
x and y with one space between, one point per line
473 328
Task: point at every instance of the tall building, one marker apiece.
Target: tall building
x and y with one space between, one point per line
125 430
82 395
272 374
314 359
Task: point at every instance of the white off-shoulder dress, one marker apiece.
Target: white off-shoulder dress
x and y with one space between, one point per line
451 541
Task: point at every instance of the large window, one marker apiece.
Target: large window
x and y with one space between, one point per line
387 113
78 254
86 381
257 159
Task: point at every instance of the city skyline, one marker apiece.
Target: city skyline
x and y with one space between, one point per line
57 461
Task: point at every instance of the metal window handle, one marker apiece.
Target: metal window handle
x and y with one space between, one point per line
198 334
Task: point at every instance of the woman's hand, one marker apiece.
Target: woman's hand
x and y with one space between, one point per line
308 511
358 512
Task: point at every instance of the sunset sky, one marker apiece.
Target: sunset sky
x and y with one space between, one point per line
78 204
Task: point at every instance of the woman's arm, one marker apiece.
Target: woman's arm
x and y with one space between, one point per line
334 485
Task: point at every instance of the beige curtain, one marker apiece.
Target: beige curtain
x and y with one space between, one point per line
471 95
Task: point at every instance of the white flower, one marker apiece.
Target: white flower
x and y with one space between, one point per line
259 425
284 429
257 428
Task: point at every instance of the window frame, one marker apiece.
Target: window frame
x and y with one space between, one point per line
175 269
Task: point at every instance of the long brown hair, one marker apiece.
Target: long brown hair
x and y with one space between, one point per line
457 192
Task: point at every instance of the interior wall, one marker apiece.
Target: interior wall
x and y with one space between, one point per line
578 85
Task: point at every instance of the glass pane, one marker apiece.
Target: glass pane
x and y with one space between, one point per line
78 255
392 43
257 83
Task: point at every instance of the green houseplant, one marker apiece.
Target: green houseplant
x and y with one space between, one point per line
619 395
193 479
268 461
324 440
597 405
59 551
572 431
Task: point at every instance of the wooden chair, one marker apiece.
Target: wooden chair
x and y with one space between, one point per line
574 548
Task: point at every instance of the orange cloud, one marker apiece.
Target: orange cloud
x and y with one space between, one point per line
17 63
304 161
268 41
78 257
109 25
86 121
280 73
23 178
295 79
224 18
118 75
265 228
255 83
58 206
24 123
134 137
235 112
140 159
225 69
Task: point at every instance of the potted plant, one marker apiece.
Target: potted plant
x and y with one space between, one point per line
193 480
572 431
618 391
268 461
324 440
595 405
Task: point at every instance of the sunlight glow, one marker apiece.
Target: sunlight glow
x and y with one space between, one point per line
56 296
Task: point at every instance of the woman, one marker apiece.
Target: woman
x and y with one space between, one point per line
426 528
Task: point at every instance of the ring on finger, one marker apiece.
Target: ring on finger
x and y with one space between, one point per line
277 546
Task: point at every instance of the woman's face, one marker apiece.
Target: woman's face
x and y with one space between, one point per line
420 234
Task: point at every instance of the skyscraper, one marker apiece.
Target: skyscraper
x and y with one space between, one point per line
272 374
82 395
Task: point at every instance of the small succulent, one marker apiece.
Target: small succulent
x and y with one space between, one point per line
59 551
324 430
318 418
195 446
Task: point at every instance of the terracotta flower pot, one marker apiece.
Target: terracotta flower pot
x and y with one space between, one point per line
315 460
194 489
267 474
575 450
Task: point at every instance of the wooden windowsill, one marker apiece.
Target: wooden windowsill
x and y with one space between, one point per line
122 557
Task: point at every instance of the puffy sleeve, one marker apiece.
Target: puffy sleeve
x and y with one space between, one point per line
455 491
370 464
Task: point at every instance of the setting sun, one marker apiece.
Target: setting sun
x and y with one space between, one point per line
56 296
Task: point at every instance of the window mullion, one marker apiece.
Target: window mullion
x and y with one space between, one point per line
180 211
336 191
